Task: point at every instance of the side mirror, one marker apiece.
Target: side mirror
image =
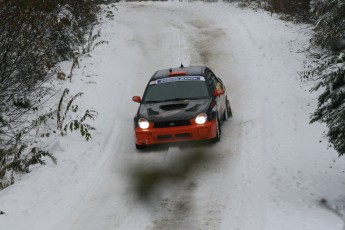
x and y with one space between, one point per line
136 99
218 92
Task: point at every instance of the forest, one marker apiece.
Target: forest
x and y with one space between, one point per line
35 35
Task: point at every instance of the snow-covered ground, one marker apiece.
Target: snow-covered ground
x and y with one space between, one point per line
269 171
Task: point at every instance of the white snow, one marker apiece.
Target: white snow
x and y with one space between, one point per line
269 171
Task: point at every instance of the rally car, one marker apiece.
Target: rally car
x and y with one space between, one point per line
181 104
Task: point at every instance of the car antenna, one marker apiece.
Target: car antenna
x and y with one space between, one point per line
180 50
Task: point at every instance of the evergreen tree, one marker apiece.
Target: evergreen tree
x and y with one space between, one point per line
329 68
298 9
330 24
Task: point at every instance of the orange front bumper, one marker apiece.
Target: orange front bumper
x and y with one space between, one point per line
175 134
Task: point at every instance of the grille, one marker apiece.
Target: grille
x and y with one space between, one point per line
164 137
166 124
182 135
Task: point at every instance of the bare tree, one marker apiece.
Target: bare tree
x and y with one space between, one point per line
34 36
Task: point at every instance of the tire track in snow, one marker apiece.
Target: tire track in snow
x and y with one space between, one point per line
183 187
184 194
168 190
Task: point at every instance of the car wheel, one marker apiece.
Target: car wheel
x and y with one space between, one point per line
226 114
140 147
228 109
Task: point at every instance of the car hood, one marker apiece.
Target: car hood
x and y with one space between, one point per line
173 110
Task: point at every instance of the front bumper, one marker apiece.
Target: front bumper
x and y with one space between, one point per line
175 134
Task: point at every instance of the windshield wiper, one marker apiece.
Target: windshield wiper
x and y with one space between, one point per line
175 99
153 101
182 99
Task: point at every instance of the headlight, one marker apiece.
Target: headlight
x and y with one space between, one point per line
143 123
201 118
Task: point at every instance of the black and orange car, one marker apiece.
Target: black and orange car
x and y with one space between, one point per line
181 104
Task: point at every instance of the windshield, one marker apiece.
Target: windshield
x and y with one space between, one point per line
176 88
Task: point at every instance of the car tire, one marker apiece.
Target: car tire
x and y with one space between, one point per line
228 109
226 114
140 147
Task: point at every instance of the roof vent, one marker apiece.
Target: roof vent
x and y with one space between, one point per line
177 73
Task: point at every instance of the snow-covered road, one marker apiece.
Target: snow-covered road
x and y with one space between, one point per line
268 172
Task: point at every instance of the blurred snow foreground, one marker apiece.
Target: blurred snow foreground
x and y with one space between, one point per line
271 170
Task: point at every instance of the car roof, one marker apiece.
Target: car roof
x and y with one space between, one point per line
179 71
